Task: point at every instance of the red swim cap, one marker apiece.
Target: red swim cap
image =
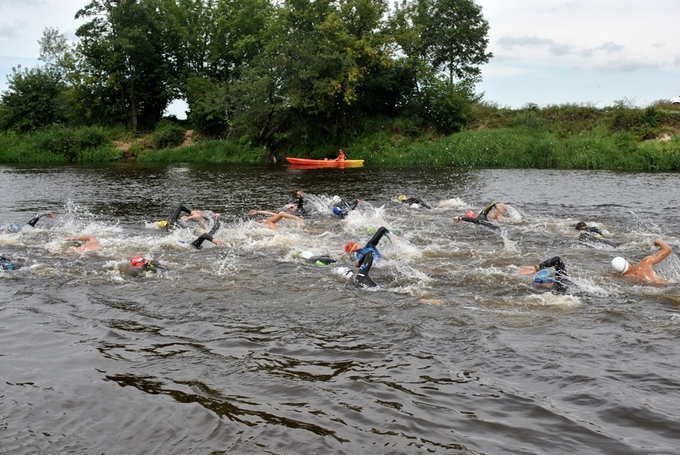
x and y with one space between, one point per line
351 247
138 261
470 214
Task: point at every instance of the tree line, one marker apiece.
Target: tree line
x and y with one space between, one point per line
263 69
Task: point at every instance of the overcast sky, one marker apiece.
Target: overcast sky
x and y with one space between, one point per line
545 51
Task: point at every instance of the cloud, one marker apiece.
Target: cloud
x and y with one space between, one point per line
609 48
11 31
29 3
676 62
627 65
509 42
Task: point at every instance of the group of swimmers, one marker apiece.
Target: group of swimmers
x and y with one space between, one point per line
365 256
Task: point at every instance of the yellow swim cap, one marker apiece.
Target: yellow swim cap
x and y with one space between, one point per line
162 223
401 198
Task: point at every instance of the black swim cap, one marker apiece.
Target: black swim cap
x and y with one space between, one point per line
580 225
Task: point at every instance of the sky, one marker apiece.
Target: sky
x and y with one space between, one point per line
546 52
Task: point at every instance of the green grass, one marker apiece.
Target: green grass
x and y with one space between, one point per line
559 137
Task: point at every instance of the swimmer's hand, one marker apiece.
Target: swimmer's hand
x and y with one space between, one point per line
528 269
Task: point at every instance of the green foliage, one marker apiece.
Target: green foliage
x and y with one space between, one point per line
167 134
207 152
58 144
209 103
33 100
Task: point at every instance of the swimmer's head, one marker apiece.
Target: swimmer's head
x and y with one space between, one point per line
337 211
138 261
470 214
351 247
620 264
15 227
336 199
401 198
162 224
291 207
76 244
580 226
543 277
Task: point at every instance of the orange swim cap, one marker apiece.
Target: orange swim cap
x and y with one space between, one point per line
351 247
470 214
138 261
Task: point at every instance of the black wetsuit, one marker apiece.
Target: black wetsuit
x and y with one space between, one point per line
561 277
345 207
595 238
300 206
174 219
415 200
36 218
198 243
482 218
7 264
362 278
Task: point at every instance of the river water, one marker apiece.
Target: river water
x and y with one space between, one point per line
250 348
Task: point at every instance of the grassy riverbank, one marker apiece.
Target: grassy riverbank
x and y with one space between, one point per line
562 137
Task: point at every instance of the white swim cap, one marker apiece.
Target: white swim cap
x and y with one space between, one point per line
336 199
620 264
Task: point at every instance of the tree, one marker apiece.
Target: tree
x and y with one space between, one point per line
454 36
124 50
33 99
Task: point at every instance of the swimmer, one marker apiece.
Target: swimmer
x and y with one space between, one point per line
173 221
37 217
371 245
583 227
198 243
342 208
84 243
644 270
412 201
592 234
276 217
299 207
142 266
544 279
365 256
7 264
482 218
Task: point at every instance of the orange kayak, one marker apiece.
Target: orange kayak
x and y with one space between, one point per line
324 163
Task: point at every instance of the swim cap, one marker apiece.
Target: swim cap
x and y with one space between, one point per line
620 264
351 247
291 206
580 225
470 214
401 198
337 211
543 277
162 223
336 199
138 261
15 227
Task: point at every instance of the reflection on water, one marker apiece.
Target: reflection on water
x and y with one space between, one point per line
249 348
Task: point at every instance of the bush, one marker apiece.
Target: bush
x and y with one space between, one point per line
167 134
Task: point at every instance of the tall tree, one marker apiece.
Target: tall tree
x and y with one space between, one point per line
454 36
124 50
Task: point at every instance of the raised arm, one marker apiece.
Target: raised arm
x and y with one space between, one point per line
660 255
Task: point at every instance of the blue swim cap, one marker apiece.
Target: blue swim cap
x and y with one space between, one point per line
543 277
15 227
337 211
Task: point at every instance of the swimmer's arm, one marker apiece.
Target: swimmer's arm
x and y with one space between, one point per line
263 212
661 255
